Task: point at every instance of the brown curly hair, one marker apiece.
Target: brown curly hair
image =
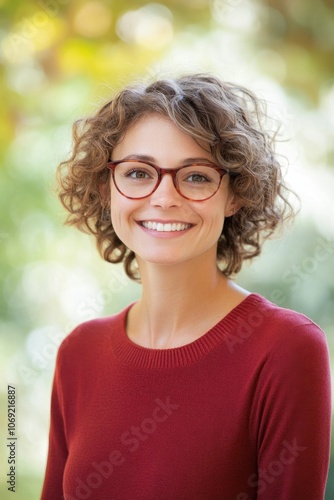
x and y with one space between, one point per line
225 116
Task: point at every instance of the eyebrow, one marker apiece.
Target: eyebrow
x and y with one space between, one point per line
151 159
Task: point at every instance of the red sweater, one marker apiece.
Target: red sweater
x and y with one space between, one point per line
241 413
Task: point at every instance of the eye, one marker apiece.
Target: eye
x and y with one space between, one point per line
197 175
136 173
197 178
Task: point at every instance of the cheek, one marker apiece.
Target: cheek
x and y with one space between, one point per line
122 212
213 213
118 216
117 211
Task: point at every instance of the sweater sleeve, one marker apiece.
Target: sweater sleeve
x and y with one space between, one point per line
57 454
291 418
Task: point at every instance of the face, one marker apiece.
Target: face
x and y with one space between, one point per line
166 228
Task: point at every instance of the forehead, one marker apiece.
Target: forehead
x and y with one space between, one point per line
159 136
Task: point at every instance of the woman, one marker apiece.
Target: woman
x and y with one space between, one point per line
201 389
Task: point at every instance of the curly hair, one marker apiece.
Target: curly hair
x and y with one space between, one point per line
227 117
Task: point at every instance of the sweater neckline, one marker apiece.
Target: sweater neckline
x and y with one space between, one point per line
137 356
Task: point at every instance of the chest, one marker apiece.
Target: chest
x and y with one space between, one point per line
154 434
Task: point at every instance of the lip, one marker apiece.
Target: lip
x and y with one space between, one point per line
164 221
164 234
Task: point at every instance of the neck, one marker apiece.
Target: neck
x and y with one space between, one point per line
173 290
180 302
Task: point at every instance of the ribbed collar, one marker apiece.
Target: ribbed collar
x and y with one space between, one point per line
137 356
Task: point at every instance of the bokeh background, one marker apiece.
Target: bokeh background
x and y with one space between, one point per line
60 59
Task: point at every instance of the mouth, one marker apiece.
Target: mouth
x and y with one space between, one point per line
165 227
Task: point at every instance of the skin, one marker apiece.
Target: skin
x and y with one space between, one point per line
178 269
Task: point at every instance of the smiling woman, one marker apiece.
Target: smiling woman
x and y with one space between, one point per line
192 195
179 180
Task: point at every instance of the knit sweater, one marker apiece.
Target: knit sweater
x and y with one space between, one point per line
241 413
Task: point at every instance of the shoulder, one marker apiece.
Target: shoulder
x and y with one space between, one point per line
287 335
280 320
93 335
274 329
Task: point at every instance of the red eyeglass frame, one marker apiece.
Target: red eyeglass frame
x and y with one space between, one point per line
111 165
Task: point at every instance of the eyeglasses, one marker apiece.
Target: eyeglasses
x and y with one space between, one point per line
136 179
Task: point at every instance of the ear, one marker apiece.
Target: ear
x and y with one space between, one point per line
232 206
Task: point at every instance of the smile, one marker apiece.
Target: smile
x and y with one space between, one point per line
170 226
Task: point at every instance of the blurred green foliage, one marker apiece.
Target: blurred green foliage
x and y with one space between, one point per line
59 60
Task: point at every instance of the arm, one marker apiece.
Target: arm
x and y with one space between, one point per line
292 417
57 455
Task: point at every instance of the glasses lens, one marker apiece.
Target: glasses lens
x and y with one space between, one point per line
135 179
198 182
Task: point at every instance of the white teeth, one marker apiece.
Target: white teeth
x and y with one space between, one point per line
159 226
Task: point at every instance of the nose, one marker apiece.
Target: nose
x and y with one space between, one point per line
166 195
